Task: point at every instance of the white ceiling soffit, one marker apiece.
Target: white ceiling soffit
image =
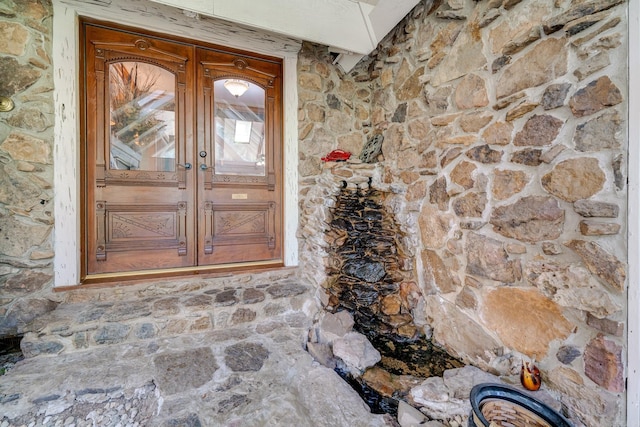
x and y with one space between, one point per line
350 28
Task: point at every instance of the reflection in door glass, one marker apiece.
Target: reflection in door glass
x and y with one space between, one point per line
239 128
142 105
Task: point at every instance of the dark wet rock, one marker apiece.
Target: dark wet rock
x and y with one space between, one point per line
367 270
360 296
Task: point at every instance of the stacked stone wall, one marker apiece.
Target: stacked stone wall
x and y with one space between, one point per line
504 126
26 167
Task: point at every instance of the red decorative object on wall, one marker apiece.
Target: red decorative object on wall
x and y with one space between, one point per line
337 156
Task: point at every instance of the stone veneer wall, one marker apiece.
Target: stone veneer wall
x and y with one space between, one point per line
26 167
505 147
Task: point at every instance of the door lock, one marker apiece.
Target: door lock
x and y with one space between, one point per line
202 154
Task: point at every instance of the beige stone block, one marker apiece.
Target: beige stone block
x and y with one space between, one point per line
546 61
13 38
27 148
575 179
525 320
596 228
471 92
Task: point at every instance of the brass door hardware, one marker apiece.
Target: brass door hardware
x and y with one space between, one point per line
6 104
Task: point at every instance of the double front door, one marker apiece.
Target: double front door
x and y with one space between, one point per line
182 149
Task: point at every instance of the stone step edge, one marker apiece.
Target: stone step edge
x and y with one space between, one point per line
35 345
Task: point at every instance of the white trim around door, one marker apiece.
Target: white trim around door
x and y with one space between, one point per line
633 218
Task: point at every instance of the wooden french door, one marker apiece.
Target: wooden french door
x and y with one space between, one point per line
238 182
182 147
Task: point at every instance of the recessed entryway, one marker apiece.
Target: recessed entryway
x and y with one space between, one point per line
180 170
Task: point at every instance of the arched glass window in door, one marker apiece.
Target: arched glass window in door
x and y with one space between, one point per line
239 128
142 117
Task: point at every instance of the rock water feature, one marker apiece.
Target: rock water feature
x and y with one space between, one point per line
366 267
368 278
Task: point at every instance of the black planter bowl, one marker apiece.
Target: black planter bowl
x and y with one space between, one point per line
507 406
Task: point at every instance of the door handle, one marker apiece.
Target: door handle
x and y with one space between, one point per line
182 175
208 175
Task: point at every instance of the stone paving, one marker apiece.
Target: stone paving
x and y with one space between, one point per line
219 352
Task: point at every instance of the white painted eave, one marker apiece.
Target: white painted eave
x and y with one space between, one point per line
349 27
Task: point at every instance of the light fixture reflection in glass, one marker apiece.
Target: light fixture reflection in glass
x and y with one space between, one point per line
236 87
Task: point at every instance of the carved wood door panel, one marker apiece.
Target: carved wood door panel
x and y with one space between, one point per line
178 173
239 182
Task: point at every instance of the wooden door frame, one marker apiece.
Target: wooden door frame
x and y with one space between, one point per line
85 277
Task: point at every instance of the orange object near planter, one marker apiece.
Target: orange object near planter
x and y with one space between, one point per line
530 376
